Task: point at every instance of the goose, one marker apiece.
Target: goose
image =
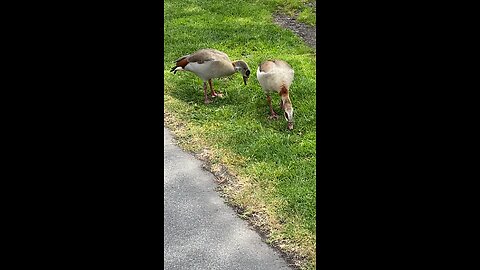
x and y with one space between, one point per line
209 64
277 75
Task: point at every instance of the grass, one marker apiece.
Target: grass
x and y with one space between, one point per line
275 168
307 16
298 9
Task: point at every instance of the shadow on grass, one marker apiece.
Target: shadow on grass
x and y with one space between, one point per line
247 101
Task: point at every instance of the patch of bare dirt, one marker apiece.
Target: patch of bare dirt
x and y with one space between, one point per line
306 32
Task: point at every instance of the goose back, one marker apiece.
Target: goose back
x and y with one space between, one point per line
207 64
273 74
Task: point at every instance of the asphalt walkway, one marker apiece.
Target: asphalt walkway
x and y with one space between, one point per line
200 230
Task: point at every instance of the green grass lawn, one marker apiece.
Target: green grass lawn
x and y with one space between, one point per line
275 168
297 9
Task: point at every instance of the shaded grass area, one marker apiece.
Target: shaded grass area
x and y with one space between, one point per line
276 168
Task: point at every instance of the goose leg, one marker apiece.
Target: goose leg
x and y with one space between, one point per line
205 92
273 115
213 90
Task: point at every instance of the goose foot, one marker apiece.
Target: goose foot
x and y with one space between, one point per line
274 116
208 101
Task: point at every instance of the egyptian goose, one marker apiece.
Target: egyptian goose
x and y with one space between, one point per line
277 75
209 64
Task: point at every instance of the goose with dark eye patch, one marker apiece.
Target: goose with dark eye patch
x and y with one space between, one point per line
277 75
209 64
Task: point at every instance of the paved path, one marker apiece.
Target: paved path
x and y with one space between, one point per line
200 231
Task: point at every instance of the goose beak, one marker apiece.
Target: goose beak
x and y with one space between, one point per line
245 79
290 125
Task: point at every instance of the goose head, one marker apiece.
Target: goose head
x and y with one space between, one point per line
242 67
288 114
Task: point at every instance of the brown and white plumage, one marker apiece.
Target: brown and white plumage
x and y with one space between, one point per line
277 75
209 64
